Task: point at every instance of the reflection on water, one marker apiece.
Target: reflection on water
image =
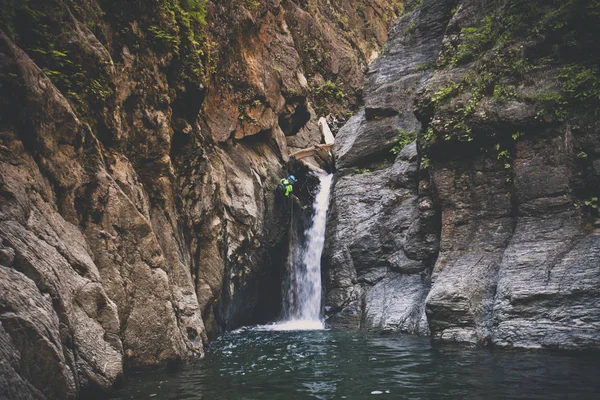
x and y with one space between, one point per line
262 364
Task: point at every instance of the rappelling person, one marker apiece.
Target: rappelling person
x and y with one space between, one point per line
285 187
284 194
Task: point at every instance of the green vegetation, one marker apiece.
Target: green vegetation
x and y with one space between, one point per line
425 162
403 139
331 90
591 202
504 92
178 28
425 66
445 93
577 87
498 66
410 28
542 54
397 4
47 32
517 135
359 171
44 31
503 156
411 5
580 82
252 4
475 41
244 109
341 19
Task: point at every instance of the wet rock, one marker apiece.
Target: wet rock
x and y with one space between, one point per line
492 196
365 258
32 349
378 221
360 141
476 227
547 292
137 175
13 383
507 221
396 304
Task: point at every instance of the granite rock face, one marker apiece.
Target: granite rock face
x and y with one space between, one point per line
140 146
492 240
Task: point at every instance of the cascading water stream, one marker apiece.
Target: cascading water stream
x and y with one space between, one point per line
308 274
302 306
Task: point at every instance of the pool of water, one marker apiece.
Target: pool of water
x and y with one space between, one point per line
263 364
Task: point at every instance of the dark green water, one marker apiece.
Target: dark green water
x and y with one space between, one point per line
341 365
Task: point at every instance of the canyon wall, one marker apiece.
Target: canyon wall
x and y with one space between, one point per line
466 196
140 145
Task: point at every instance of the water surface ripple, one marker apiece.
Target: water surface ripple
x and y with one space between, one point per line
263 364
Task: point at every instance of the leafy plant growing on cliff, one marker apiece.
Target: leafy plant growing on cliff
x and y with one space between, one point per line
252 4
591 202
410 6
425 162
403 139
475 41
178 28
578 88
410 29
503 92
517 135
44 31
581 85
445 93
330 89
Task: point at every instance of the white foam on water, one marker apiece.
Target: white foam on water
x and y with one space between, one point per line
286 326
294 325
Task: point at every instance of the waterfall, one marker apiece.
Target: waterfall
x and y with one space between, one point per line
303 302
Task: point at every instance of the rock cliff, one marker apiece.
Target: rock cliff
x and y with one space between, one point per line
481 230
140 144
